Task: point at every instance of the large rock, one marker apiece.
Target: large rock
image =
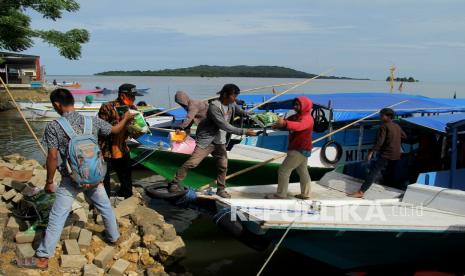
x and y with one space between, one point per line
39 178
171 251
127 207
31 164
151 222
156 270
14 158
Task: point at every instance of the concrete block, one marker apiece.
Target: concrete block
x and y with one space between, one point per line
2 189
81 214
9 195
65 233
27 237
7 181
74 233
81 198
18 197
99 220
127 207
73 261
91 270
18 186
104 257
72 247
85 237
15 224
118 268
24 250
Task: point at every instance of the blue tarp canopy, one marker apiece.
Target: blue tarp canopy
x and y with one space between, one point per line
439 123
353 106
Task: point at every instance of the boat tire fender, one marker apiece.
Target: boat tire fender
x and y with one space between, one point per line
160 191
324 155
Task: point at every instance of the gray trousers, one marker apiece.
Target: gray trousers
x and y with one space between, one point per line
219 154
294 161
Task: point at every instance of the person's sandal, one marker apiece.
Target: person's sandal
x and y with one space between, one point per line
31 263
173 188
274 196
358 194
223 193
301 196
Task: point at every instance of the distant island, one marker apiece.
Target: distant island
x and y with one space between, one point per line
223 71
404 79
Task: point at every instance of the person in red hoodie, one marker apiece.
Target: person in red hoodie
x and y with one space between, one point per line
300 128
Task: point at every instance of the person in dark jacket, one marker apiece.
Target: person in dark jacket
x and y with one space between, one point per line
388 148
196 110
114 147
300 128
212 136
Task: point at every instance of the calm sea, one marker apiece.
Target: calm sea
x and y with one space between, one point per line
210 251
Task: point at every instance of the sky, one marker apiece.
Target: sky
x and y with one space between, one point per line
360 38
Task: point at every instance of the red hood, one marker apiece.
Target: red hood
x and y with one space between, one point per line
305 104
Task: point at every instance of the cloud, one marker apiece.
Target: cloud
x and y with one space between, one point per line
397 45
418 46
449 44
217 25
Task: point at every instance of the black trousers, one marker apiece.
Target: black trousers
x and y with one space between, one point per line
378 167
122 167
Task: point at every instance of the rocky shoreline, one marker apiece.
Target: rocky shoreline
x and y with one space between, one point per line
148 245
36 95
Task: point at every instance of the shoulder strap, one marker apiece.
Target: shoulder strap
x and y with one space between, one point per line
68 129
87 125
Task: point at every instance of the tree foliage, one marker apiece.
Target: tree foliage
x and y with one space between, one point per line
16 33
404 79
222 71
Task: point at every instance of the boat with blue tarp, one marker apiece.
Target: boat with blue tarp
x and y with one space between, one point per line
347 147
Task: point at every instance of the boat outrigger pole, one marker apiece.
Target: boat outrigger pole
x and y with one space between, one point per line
291 88
206 186
214 97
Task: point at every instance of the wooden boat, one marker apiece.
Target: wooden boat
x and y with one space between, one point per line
46 111
166 163
25 105
85 91
69 85
422 227
107 91
50 113
347 147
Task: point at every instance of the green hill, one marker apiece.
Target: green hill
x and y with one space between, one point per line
222 71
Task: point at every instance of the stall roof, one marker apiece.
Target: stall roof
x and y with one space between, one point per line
353 106
439 123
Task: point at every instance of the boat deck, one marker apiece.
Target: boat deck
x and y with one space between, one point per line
330 208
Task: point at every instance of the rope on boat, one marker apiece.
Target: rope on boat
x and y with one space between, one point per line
221 213
308 212
189 197
277 245
150 151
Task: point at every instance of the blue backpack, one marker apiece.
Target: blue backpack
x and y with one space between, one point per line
85 160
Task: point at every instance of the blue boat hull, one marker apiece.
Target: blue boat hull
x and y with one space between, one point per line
364 249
